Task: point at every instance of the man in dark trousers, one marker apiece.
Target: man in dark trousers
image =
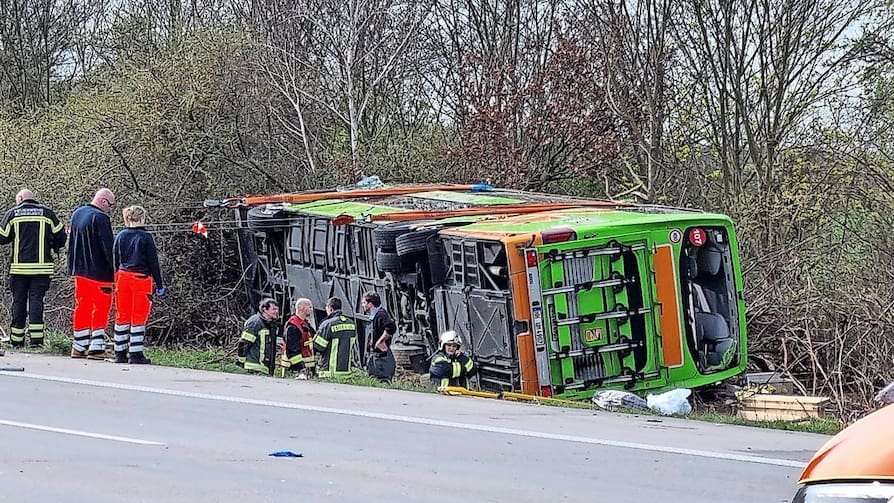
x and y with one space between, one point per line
336 342
36 234
257 344
90 262
381 328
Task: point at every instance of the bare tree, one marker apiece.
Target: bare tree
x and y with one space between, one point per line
760 69
636 51
523 92
337 56
38 42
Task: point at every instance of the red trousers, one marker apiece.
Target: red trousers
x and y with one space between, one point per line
93 300
133 298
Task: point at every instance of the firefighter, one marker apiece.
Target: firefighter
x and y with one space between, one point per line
450 366
90 262
257 345
336 342
136 265
299 351
35 233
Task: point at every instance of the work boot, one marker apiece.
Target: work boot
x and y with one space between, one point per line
78 354
38 344
120 356
139 359
17 344
97 355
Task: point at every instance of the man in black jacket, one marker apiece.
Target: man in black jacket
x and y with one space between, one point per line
381 328
36 234
90 262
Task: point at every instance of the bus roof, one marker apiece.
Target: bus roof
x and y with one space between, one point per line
497 211
586 220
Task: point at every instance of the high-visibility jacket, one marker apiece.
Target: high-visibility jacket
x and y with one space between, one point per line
446 370
299 343
257 345
336 342
35 231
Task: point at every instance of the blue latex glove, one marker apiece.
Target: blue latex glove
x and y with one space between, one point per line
482 187
161 292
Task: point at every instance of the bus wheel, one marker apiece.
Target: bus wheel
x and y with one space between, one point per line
384 237
413 242
392 262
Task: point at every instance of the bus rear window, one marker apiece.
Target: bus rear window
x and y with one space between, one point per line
708 289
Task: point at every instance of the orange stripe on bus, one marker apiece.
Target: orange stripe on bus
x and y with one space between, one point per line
666 286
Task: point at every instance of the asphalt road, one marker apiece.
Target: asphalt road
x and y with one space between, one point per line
72 430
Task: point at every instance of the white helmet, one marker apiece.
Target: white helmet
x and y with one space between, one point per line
450 337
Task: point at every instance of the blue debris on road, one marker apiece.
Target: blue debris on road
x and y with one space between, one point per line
286 454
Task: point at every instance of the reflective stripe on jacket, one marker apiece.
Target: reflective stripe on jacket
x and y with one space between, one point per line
336 343
35 232
453 370
257 345
299 343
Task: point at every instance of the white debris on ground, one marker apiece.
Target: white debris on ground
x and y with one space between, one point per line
668 403
671 402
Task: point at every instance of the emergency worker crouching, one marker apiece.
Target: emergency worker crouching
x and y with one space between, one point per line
450 366
257 345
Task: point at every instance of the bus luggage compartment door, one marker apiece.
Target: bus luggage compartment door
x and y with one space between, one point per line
482 320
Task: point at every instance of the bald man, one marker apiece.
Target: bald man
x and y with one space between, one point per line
91 263
299 334
35 233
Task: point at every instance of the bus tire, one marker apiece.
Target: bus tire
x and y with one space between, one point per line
384 237
413 242
392 262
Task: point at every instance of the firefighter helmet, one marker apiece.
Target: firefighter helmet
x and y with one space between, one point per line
450 337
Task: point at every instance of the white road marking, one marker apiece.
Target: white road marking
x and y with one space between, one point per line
78 433
728 456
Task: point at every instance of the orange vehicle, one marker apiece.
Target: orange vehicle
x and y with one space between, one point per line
857 465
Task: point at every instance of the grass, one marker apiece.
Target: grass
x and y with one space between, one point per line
220 361
402 381
54 343
824 426
217 361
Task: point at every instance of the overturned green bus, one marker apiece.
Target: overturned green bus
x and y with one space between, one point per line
552 295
